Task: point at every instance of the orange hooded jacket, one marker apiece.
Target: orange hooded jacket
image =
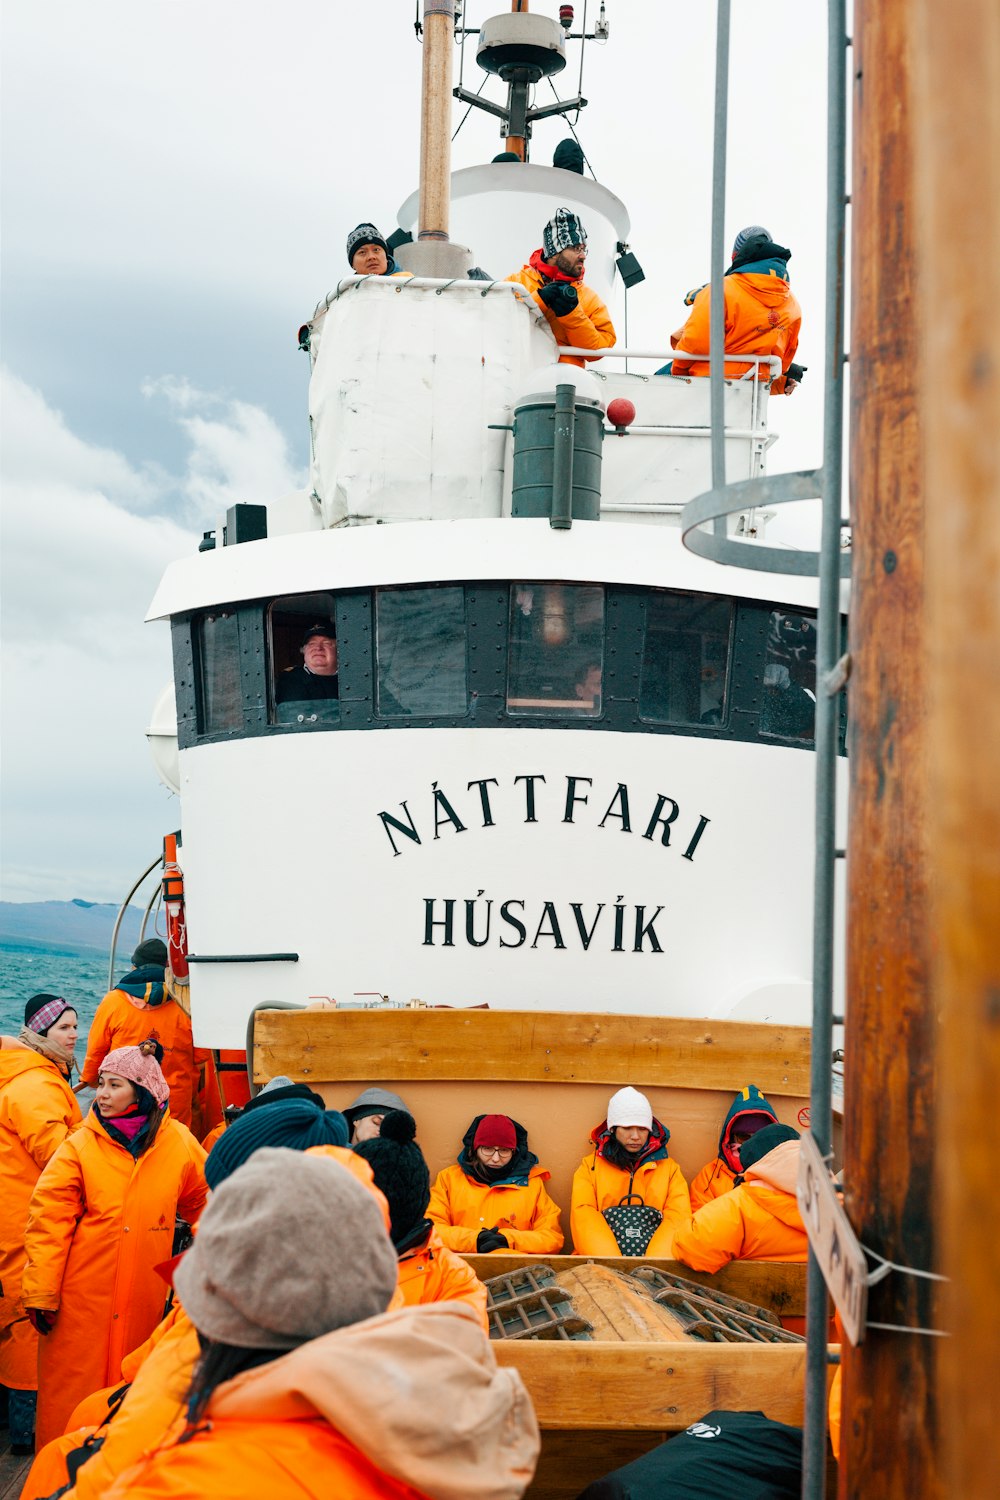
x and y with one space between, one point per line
319 1422
588 326
160 1371
759 1220
433 1273
123 1022
761 317
599 1184
100 1220
38 1109
522 1211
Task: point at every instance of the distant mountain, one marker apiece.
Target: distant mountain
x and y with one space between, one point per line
69 924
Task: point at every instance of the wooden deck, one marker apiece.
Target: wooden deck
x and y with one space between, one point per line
13 1471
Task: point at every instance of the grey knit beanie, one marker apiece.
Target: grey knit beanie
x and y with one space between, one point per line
289 1248
751 232
373 1101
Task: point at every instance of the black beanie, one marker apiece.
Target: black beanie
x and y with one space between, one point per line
152 951
569 156
400 1171
39 1002
764 1141
279 1095
293 1123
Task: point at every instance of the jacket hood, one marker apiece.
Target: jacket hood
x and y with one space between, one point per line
749 1101
521 1166
145 986
16 1058
655 1148
766 281
779 1169
446 1420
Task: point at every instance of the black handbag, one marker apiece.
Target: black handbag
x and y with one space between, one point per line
633 1222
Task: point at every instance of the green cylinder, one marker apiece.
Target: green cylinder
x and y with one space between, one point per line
534 446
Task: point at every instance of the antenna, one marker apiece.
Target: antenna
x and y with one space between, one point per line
521 49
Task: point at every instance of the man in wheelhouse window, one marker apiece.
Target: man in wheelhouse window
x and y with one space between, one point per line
316 680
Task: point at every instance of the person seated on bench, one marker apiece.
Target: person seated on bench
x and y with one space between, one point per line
364 1117
428 1270
759 1219
494 1197
748 1113
628 1195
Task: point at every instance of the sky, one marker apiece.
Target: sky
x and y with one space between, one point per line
178 180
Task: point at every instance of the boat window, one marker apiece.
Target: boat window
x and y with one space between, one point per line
555 653
304 660
420 641
685 659
220 692
789 706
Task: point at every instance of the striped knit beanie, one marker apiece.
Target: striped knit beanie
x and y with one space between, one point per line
563 230
295 1124
751 232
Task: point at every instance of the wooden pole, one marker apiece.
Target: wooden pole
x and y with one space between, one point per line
435 120
889 1436
957 49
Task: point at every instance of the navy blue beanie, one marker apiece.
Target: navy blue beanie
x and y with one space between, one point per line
295 1124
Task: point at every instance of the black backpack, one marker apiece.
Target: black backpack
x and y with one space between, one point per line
727 1455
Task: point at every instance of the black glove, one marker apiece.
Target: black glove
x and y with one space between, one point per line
796 372
560 297
490 1239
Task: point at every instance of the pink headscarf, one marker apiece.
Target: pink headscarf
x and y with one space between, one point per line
138 1067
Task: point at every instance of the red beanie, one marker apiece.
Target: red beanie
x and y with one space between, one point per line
496 1130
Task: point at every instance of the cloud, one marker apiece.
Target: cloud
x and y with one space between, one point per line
84 546
237 451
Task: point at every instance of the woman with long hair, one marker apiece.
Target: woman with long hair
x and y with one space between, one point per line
38 1109
101 1219
307 1383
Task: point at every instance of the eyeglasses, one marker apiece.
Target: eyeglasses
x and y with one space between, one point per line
503 1152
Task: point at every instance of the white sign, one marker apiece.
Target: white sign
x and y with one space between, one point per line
833 1241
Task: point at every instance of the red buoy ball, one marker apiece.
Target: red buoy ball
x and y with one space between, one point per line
621 412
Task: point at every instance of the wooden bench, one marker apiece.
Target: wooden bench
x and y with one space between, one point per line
599 1404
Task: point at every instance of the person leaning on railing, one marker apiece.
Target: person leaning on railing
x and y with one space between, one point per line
761 315
554 276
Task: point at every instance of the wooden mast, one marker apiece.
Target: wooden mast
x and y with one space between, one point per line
957 214
889 1437
435 120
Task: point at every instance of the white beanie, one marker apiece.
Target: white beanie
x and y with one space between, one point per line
629 1107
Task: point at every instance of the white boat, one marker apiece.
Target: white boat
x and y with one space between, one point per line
570 766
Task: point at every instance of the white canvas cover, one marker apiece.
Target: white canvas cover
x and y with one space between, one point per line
408 378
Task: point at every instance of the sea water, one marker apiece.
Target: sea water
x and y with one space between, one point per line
80 975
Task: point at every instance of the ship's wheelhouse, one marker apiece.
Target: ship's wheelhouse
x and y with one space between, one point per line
499 654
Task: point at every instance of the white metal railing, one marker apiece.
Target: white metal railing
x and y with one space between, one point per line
622 353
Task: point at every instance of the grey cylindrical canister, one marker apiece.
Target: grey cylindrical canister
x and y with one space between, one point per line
534 444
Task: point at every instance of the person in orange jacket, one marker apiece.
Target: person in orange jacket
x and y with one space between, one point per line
287 1283
141 1006
748 1113
106 1436
761 315
759 1219
629 1159
554 276
428 1270
101 1217
38 1109
494 1197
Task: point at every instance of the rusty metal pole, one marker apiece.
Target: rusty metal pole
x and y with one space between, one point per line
890 1447
958 216
435 120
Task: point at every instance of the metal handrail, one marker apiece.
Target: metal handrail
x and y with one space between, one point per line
616 352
